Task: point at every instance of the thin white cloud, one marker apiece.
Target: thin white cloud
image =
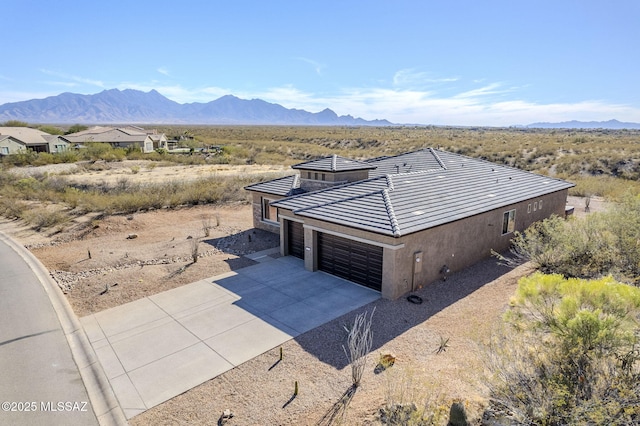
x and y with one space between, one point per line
490 89
411 78
474 107
317 66
492 104
74 78
164 71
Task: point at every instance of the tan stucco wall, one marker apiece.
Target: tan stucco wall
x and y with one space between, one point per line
330 178
457 244
462 243
256 205
14 147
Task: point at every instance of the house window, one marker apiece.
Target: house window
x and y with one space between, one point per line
4 150
315 176
509 222
269 213
323 176
540 204
535 206
529 208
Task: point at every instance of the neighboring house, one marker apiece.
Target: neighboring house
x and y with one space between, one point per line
16 139
121 137
397 223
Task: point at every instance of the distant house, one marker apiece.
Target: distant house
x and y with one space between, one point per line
398 223
120 137
16 139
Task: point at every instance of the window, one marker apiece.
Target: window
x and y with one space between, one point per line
4 150
323 176
540 204
535 206
509 222
529 208
269 212
315 176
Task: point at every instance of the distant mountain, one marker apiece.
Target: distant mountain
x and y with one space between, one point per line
611 124
134 106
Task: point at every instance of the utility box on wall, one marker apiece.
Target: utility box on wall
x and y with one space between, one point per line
417 268
417 262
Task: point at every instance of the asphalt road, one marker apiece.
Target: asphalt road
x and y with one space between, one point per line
39 381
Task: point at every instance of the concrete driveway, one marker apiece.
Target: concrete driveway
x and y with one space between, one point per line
158 347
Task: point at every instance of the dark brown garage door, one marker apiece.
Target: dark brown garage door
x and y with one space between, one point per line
351 260
295 234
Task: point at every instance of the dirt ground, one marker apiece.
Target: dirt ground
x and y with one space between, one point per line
104 262
141 171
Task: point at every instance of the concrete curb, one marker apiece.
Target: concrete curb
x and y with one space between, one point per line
103 400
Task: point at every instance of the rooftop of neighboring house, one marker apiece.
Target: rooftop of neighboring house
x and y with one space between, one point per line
26 135
110 134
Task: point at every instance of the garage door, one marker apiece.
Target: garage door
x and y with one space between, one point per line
295 234
351 260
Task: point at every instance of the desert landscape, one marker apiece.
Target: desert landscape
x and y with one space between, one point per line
103 261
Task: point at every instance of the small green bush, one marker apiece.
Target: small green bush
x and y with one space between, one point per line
601 244
569 354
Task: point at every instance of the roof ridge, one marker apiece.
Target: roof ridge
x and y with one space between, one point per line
341 200
437 157
389 181
417 172
296 181
395 227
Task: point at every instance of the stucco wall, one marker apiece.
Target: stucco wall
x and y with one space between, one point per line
14 147
256 204
462 243
457 244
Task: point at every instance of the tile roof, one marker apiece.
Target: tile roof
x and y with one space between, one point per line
452 188
425 159
109 135
333 163
25 135
284 187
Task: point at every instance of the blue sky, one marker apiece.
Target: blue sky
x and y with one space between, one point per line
453 62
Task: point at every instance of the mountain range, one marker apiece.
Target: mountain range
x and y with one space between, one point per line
611 124
134 106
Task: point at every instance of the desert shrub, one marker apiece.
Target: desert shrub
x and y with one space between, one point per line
67 156
41 218
20 159
569 353
598 245
11 208
102 151
609 187
29 187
